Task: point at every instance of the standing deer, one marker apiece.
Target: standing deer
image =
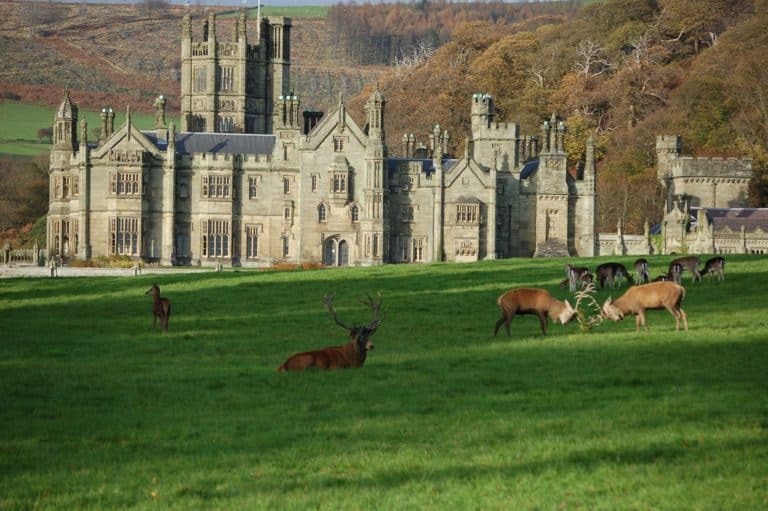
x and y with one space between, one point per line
690 263
161 307
641 271
608 272
532 301
352 354
576 277
638 299
715 266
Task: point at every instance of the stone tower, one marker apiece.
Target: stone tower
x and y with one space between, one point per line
65 126
375 179
552 192
231 86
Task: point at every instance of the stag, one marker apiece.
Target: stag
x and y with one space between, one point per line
607 273
352 354
161 307
641 271
532 301
715 266
638 299
690 263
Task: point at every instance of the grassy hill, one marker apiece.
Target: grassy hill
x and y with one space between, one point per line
21 121
101 411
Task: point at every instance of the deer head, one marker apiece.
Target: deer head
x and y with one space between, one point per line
612 312
567 314
359 333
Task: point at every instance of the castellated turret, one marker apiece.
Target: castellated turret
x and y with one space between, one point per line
231 86
493 141
701 182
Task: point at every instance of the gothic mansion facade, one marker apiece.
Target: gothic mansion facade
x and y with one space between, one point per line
249 179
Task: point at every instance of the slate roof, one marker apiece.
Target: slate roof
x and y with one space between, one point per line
734 218
427 165
529 168
218 143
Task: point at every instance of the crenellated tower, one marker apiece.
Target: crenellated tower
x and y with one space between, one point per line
231 86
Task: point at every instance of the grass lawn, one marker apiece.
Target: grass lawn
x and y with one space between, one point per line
19 123
101 411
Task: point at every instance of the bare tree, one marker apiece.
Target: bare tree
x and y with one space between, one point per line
591 60
413 57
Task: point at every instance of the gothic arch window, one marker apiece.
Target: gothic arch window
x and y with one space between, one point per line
335 252
321 213
286 185
354 212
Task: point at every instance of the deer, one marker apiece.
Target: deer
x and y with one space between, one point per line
641 271
608 272
576 277
715 266
532 301
161 307
352 354
674 274
690 263
638 299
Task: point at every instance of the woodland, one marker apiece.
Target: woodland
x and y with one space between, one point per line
625 70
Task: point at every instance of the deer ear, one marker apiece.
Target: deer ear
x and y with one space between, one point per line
607 302
568 305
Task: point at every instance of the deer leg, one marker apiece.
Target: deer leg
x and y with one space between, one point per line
543 321
640 320
506 319
685 318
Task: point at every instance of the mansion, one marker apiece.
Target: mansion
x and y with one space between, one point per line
250 179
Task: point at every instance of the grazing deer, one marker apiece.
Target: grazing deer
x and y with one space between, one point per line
608 272
675 274
690 263
576 277
352 354
161 307
715 266
532 301
638 299
641 271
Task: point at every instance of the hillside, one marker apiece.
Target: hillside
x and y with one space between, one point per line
121 55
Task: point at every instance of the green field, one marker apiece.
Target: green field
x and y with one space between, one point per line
100 411
19 123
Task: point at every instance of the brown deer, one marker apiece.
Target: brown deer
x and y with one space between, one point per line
532 301
161 307
576 277
607 273
715 266
675 274
352 354
641 271
690 263
638 299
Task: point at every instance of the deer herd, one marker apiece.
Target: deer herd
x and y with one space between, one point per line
663 292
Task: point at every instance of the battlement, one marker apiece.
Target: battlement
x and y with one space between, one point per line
689 166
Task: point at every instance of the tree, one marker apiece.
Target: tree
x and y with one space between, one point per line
45 134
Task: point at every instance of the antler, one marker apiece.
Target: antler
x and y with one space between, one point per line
376 308
328 302
586 294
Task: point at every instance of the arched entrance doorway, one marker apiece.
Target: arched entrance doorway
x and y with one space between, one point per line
335 252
